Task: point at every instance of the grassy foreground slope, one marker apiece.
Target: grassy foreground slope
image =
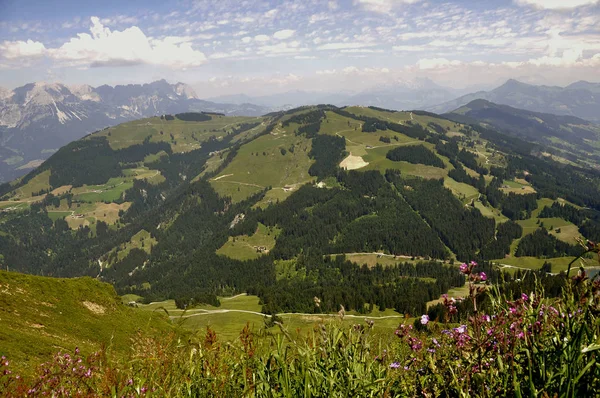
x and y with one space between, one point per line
40 316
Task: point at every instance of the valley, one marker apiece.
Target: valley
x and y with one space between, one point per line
313 216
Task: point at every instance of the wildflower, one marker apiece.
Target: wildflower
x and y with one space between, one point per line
524 297
395 365
464 268
424 319
461 329
130 382
486 318
473 264
482 276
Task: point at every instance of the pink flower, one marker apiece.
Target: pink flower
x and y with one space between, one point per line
483 276
424 319
464 268
473 264
524 297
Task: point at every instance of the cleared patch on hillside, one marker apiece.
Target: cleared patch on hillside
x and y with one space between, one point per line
464 192
278 160
488 211
244 247
36 184
372 259
141 240
276 195
518 186
183 136
352 162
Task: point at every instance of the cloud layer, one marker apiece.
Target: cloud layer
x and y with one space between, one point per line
103 47
261 44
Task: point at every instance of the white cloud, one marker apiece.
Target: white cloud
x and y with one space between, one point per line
569 58
246 39
342 46
556 4
408 48
261 38
360 50
104 47
383 6
284 34
271 13
436 63
21 49
281 48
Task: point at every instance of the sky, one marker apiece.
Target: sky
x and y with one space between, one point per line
262 47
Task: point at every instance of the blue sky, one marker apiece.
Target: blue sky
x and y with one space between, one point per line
263 47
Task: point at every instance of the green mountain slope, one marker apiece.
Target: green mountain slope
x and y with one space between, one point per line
567 138
195 206
40 316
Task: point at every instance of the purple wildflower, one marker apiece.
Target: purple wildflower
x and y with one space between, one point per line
395 365
424 319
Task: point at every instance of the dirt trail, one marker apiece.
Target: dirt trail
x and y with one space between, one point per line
211 312
223 176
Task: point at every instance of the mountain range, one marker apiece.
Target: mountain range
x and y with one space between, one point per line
38 118
570 138
192 206
580 99
419 93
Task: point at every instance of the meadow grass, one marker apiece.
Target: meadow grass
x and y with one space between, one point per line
40 315
187 136
465 192
141 240
488 211
269 165
36 184
244 247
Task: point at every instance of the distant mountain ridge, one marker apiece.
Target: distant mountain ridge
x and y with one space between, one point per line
580 99
566 136
418 93
38 118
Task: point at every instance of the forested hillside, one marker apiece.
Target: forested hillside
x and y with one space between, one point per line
195 206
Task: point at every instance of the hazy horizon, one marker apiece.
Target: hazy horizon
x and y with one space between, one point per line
268 47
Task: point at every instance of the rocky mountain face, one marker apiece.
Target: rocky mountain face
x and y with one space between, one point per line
580 99
38 118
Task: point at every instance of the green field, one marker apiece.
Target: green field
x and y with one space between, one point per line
141 240
36 184
235 312
372 259
465 192
186 136
533 263
488 211
272 162
246 247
